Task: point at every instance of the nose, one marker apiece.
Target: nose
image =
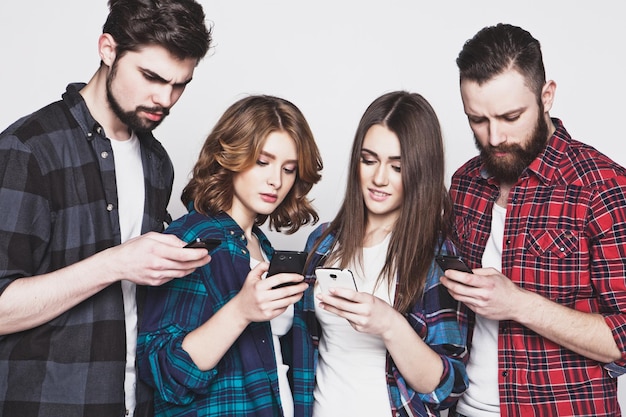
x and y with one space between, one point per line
380 176
274 178
163 96
496 135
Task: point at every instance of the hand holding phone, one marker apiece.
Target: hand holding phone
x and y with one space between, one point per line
452 262
335 278
287 262
208 244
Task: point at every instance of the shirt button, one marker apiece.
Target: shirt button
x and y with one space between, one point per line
109 207
505 373
243 251
104 154
89 134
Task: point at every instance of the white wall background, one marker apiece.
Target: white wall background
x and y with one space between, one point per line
332 58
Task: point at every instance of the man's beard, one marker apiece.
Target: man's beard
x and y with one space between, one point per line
508 170
132 118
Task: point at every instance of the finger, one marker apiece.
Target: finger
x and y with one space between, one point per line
283 279
344 293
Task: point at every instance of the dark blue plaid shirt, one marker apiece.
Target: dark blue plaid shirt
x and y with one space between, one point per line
58 201
437 318
245 381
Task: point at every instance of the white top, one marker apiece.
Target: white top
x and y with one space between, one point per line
131 195
482 398
350 373
280 326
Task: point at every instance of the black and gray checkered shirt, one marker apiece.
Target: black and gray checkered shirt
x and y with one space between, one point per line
58 205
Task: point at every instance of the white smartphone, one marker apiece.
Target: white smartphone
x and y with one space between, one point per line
335 278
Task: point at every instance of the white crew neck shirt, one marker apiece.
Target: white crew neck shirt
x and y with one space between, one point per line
131 199
482 398
350 373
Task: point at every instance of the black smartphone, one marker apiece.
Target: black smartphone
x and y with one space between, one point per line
289 262
208 244
452 262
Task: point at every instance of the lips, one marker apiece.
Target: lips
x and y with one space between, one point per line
155 117
269 198
378 195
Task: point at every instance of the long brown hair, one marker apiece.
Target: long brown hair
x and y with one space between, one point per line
235 144
425 215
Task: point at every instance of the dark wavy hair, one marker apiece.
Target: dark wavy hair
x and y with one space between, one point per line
234 146
496 49
426 211
176 25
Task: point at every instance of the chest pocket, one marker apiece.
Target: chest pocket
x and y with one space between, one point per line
560 261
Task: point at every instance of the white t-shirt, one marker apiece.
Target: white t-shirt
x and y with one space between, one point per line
482 398
350 373
131 199
280 326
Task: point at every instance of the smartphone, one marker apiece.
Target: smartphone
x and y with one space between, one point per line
335 278
287 261
452 262
209 244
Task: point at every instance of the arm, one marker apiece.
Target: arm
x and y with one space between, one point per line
256 302
151 259
492 295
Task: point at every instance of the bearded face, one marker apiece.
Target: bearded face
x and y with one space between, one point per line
132 118
506 162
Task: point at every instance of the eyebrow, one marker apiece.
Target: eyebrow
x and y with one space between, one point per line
272 156
163 80
393 158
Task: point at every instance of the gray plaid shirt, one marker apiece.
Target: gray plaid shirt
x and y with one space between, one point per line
58 205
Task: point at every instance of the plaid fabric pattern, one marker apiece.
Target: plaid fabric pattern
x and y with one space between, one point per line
245 382
59 205
564 238
438 319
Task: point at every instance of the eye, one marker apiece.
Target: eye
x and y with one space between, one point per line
262 163
512 118
290 169
367 161
396 168
476 120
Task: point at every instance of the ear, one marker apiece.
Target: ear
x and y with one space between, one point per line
107 49
547 95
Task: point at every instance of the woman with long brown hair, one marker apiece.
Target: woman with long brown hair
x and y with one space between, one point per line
397 342
213 342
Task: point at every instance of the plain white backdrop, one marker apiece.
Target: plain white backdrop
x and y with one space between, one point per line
331 58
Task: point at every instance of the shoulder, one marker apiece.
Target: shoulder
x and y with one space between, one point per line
40 126
316 235
194 224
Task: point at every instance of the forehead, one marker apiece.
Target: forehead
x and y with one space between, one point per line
381 140
502 93
160 61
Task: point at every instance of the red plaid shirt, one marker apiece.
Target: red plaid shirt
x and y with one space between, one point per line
564 238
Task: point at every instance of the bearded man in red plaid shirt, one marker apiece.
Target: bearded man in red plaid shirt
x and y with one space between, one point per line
541 218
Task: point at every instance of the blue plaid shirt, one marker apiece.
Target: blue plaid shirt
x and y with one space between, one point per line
439 320
245 381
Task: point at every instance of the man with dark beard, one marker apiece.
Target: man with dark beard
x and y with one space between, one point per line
541 218
84 188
